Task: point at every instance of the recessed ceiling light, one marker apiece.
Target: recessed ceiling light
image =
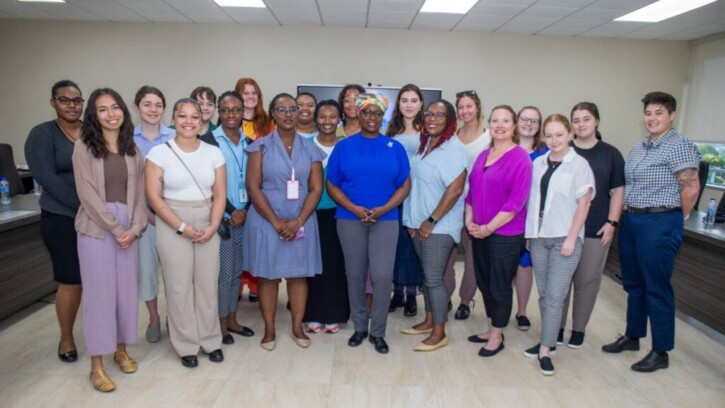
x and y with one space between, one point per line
42 1
241 3
662 10
447 6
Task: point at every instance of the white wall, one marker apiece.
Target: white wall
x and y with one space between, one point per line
551 72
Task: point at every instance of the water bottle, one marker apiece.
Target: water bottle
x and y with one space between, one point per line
37 188
4 191
709 219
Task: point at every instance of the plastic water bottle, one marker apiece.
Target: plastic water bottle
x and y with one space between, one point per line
709 219
4 191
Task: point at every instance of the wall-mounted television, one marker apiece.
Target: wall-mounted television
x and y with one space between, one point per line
323 92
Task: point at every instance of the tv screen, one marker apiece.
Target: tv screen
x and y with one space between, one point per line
323 92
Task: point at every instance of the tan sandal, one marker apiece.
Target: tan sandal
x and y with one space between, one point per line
103 383
126 363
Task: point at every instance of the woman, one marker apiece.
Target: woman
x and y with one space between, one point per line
475 139
367 176
229 139
529 131
149 132
495 219
284 181
433 213
607 164
306 103
186 188
207 100
405 127
48 150
561 191
347 100
109 177
662 186
327 300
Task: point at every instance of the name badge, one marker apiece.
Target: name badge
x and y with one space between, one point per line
293 190
243 193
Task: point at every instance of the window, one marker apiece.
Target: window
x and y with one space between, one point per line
714 154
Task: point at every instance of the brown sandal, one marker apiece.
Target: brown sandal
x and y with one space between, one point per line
103 383
126 363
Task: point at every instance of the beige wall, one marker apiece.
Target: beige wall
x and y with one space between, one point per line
551 72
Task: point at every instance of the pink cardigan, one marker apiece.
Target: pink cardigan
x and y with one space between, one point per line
93 218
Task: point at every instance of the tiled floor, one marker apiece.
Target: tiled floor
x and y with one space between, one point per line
331 374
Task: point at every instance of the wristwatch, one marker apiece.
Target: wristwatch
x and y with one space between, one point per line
432 220
612 223
180 230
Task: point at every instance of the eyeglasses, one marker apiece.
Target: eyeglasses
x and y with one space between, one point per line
466 93
436 116
67 101
230 111
530 121
369 114
293 110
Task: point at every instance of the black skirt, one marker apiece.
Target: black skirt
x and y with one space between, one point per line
59 235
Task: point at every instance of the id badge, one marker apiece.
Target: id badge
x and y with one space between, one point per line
293 190
300 234
243 193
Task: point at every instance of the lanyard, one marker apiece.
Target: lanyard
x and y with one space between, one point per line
234 153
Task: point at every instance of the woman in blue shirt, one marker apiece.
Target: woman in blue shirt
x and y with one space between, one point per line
367 176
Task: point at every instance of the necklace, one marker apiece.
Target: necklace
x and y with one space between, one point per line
66 133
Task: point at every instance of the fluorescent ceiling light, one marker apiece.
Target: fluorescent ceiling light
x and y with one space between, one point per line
662 10
42 1
241 3
447 6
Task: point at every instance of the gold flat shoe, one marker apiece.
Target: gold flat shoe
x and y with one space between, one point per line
269 346
413 331
304 343
103 383
126 363
426 347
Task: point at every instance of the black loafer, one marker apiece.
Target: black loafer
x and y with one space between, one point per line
380 345
68 357
484 352
244 332
652 362
462 312
523 322
357 338
476 339
227 339
410 309
216 356
623 343
395 303
189 361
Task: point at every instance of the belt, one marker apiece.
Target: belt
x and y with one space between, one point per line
650 210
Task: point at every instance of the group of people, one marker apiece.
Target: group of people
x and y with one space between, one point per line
313 193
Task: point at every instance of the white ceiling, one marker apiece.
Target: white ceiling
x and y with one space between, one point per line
588 18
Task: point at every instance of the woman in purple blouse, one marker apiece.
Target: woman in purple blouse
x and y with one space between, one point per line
496 217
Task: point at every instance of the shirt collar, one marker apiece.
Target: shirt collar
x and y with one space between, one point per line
568 158
659 140
163 131
218 133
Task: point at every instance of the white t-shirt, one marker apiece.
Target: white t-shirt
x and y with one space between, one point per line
326 149
178 183
473 150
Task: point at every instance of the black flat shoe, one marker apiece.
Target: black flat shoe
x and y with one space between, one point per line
189 361
462 312
69 356
380 345
244 332
652 362
623 343
216 356
357 338
476 339
484 352
227 339
253 298
410 309
395 303
523 322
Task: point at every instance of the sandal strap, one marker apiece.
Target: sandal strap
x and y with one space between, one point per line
103 383
127 364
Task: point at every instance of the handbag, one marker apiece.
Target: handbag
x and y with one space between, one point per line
223 230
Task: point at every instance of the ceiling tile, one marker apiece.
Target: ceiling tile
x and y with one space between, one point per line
342 4
25 10
565 3
497 9
390 19
200 11
597 13
571 27
242 15
614 29
435 21
507 2
108 10
547 12
698 32
395 5
344 18
480 22
629 5
154 10
527 25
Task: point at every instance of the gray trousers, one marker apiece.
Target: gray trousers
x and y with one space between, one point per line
433 255
586 282
369 246
553 273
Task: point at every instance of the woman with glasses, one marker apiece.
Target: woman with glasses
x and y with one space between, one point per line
229 139
48 150
367 175
495 218
284 182
475 139
346 100
149 132
433 214
186 187
561 191
529 131
109 177
405 127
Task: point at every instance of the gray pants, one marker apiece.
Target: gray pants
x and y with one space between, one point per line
468 281
553 273
586 282
369 246
433 254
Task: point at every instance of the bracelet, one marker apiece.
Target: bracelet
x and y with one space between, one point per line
300 221
487 229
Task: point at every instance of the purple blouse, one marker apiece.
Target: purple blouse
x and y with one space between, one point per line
503 186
